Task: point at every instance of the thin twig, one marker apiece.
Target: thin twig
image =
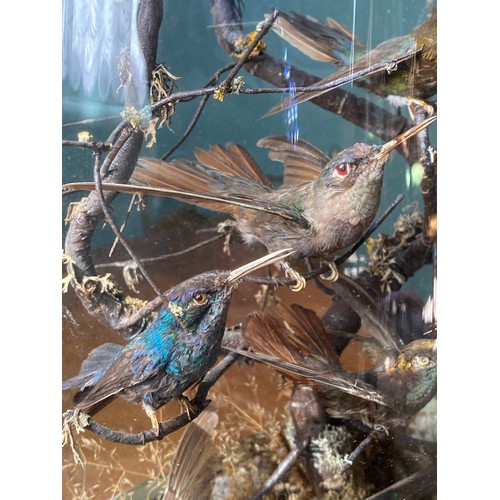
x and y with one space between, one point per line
123 241
199 110
164 256
248 51
99 146
374 226
125 134
285 465
90 121
358 450
124 223
189 128
419 483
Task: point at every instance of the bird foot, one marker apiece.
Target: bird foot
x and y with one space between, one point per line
226 228
78 418
79 421
154 420
334 272
187 406
300 280
414 102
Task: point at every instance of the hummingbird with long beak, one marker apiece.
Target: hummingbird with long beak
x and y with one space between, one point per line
402 69
324 206
175 352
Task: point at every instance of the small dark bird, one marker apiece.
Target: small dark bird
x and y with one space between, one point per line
402 381
172 354
325 205
404 67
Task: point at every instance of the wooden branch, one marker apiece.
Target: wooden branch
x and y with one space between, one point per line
227 21
197 405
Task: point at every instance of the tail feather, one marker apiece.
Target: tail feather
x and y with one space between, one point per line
178 174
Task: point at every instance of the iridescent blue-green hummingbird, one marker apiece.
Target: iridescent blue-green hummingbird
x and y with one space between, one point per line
173 353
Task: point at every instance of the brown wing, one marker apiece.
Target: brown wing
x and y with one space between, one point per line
308 333
302 161
298 346
233 160
386 55
359 69
222 202
265 334
192 470
315 39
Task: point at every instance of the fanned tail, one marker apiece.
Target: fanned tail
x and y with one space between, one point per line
298 346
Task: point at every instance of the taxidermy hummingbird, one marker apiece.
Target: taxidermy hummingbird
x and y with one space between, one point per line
400 382
405 67
325 205
174 352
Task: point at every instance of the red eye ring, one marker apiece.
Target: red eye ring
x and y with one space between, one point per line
343 168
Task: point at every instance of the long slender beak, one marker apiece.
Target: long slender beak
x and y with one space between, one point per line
399 139
259 263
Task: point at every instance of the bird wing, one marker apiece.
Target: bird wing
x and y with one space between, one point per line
233 160
309 333
373 318
192 467
98 361
302 161
339 380
325 43
130 368
210 188
378 61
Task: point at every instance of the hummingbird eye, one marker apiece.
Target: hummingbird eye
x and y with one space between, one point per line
200 298
422 360
343 168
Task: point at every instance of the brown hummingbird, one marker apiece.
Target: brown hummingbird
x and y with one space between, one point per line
324 206
403 69
402 380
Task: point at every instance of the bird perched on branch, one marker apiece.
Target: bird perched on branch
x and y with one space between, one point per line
324 206
175 352
401 381
403 69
